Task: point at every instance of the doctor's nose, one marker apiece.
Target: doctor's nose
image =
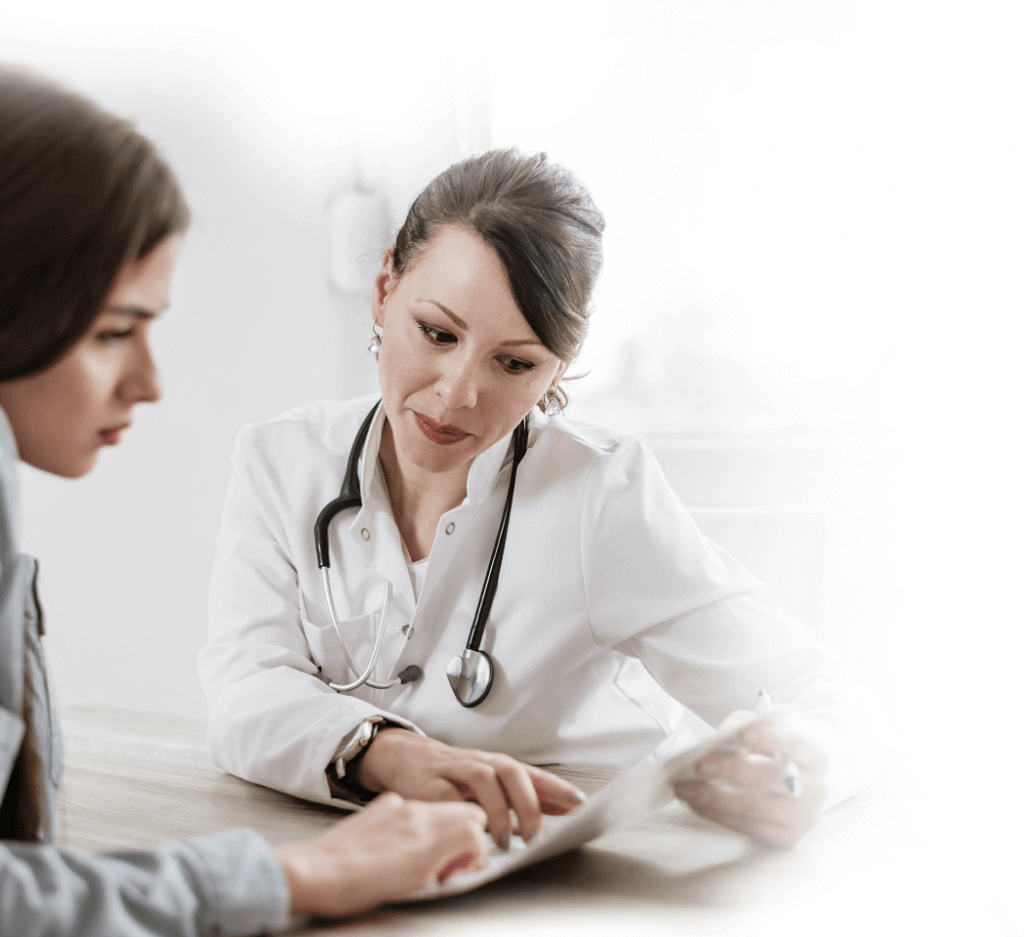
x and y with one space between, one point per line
458 384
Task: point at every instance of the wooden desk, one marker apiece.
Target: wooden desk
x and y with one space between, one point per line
136 779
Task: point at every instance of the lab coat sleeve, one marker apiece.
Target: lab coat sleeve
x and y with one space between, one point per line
706 629
273 721
224 884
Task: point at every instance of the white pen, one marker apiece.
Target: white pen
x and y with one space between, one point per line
790 770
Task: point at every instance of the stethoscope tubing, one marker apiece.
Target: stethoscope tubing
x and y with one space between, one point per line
483 608
364 677
351 497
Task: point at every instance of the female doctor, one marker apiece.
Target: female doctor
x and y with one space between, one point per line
615 626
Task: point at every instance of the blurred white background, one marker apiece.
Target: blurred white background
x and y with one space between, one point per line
811 284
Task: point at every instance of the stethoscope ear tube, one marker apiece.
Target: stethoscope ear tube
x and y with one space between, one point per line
350 496
483 608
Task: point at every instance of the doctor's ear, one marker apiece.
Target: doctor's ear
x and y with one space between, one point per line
384 284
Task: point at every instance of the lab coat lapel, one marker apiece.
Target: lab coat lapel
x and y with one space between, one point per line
483 477
374 529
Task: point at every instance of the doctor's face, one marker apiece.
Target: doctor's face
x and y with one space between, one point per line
63 416
459 365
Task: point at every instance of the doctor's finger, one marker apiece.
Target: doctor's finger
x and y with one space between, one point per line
767 833
784 745
481 780
774 831
746 769
758 807
521 794
703 798
557 796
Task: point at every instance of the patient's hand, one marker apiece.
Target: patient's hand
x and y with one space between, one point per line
744 787
390 849
425 769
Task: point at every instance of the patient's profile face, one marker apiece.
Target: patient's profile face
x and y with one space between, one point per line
62 416
459 364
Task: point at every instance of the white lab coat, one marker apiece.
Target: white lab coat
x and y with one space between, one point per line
616 625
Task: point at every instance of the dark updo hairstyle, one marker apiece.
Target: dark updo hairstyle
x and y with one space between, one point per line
82 193
538 219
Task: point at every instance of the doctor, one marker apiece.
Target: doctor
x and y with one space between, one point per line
615 626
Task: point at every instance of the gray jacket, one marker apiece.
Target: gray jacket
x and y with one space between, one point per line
225 884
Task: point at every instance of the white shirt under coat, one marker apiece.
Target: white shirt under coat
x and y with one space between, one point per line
616 624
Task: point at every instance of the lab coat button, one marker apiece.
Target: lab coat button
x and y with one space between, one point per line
365 534
408 630
450 529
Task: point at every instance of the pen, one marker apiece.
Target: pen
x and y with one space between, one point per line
790 770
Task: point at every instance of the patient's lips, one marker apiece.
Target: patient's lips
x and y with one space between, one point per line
112 435
442 434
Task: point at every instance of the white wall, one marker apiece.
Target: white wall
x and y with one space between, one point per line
264 125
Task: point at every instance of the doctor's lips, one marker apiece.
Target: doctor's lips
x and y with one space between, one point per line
111 436
443 435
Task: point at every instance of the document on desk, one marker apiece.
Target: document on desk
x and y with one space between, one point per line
633 796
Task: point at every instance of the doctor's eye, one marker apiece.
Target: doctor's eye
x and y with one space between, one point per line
517 365
437 336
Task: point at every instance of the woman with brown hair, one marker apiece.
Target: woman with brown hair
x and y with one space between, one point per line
90 220
616 628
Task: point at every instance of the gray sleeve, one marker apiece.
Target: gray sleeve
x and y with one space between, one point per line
223 884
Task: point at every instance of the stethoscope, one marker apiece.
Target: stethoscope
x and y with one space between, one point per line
472 674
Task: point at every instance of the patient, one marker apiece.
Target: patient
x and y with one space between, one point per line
90 220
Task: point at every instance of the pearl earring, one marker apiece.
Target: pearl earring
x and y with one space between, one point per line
374 347
551 404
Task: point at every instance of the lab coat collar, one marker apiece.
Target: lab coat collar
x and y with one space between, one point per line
370 451
488 466
382 542
483 474
373 526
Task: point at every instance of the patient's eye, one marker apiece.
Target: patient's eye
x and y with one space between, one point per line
112 336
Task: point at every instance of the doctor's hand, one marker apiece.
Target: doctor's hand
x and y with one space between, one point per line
386 851
425 769
767 785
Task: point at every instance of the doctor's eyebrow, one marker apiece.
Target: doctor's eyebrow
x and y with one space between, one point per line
138 312
462 325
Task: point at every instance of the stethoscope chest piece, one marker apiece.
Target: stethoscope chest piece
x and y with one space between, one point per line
471 676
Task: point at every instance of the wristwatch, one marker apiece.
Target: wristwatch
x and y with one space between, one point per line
353 746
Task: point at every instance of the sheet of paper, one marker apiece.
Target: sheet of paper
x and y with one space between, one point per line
631 797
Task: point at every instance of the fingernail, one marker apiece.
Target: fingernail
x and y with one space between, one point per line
579 797
506 840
